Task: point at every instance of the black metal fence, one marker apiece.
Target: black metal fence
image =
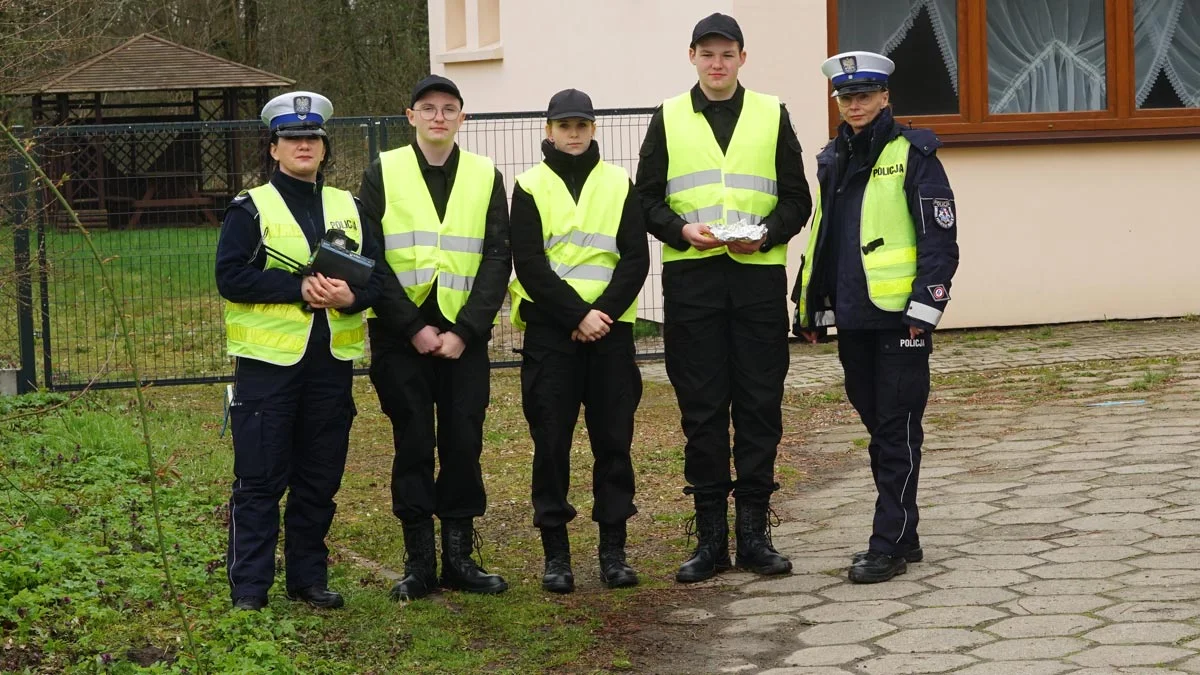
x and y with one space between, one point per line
152 197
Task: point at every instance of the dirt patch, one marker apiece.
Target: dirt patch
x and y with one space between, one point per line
150 655
18 657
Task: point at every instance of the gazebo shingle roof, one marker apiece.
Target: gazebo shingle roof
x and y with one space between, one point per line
150 63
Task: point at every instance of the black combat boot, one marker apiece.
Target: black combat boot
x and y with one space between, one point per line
711 527
420 562
614 572
317 596
558 577
755 552
459 571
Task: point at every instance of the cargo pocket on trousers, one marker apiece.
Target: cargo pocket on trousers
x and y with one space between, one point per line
904 368
249 455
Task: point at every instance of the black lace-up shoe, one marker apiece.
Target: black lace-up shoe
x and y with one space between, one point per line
915 555
250 603
317 596
876 567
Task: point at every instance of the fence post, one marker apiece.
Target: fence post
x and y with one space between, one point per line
39 205
372 143
27 375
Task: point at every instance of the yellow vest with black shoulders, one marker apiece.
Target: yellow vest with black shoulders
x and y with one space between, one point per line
580 238
887 238
421 248
278 332
705 185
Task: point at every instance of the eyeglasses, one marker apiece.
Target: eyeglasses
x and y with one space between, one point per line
429 112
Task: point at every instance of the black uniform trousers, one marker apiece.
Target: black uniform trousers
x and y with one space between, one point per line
435 403
557 378
887 382
723 361
291 431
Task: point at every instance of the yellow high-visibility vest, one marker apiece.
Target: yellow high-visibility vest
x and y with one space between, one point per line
887 236
705 185
278 332
580 239
421 248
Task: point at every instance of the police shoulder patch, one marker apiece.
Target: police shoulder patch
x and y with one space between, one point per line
938 293
943 213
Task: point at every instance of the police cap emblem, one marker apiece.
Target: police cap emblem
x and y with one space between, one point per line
302 105
849 64
943 213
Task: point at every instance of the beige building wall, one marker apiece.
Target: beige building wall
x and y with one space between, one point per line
1048 233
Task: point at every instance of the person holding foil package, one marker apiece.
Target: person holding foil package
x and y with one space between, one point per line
879 263
294 339
444 223
581 256
721 153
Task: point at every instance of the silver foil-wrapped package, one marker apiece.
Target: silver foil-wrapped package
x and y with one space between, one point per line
739 231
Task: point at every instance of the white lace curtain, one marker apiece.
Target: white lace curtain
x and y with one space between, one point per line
1045 55
1166 37
881 25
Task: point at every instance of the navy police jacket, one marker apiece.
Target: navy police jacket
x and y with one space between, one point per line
843 168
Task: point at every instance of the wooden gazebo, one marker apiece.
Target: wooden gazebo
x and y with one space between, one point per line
133 129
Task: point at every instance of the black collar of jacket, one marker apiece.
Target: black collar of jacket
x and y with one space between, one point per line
872 139
296 188
573 169
700 101
878 133
450 167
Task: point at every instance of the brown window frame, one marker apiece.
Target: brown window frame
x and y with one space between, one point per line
973 124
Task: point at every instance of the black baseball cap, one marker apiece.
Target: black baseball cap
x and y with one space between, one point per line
718 24
435 83
570 103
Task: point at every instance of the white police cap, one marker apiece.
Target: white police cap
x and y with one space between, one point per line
853 72
297 113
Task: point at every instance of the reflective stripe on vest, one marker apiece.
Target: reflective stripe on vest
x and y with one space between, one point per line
705 185
278 332
418 246
887 235
580 239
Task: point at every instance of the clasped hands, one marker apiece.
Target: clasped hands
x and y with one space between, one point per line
595 325
429 341
322 292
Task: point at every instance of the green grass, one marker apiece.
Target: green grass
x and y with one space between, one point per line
643 328
1044 383
80 577
80 582
1151 379
165 281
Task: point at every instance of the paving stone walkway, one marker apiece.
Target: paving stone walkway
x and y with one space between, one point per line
979 352
1060 537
